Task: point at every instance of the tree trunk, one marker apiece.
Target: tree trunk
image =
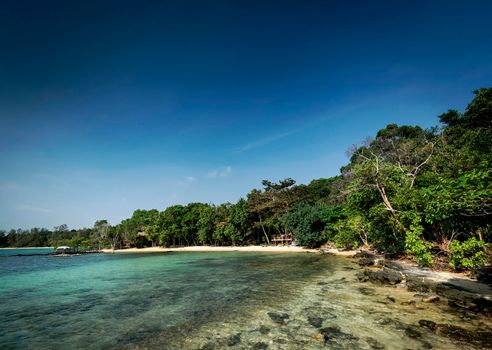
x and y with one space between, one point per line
263 228
389 207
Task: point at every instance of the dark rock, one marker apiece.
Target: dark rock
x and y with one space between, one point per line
322 283
483 274
374 344
330 333
366 291
428 324
462 298
316 322
425 344
363 276
452 331
364 254
208 346
394 265
480 338
278 317
413 333
264 329
382 276
260 346
420 284
391 255
366 261
393 300
409 302
234 339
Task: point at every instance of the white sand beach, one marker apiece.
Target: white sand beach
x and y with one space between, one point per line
253 248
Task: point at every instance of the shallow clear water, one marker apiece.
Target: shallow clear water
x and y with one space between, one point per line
203 301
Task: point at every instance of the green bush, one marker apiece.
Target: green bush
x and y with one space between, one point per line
419 248
307 223
351 232
469 254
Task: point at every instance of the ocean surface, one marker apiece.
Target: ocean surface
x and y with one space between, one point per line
216 300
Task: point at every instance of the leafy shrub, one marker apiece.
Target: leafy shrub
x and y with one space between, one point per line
418 247
351 232
469 254
307 223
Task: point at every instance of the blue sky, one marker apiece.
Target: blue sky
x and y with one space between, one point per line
106 107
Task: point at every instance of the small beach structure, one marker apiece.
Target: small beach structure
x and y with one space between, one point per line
64 249
284 239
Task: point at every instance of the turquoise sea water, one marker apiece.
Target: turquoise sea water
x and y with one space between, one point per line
197 301
114 300
25 251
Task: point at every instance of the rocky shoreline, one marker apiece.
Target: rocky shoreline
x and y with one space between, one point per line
469 297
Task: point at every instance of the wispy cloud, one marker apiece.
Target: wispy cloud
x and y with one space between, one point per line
31 208
223 172
186 181
314 122
264 141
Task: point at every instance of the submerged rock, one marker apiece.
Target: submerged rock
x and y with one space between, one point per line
428 324
316 322
331 333
362 276
390 298
479 338
208 346
279 318
264 329
413 333
260 346
374 344
234 339
366 291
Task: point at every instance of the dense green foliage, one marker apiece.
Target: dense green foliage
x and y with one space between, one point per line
307 223
468 254
423 192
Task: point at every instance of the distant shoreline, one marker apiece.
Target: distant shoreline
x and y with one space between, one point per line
202 248
27 248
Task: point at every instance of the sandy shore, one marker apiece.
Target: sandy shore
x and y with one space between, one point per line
254 248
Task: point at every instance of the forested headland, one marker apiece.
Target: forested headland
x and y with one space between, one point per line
422 192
